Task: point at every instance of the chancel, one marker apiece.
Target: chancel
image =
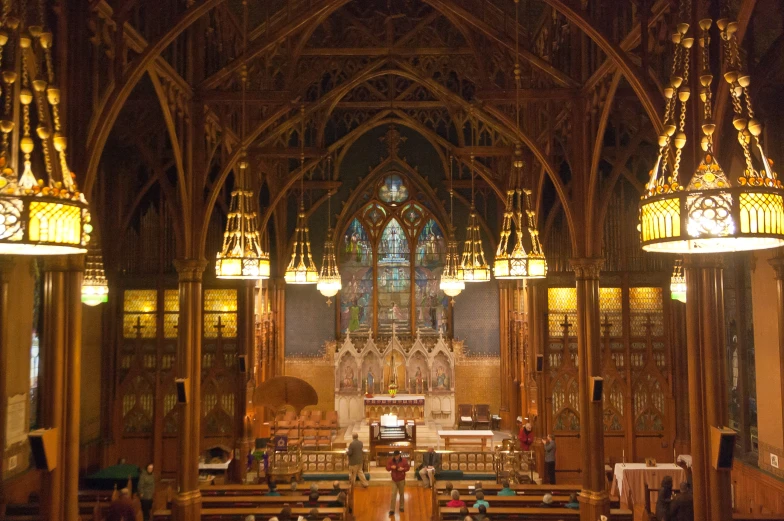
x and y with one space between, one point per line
528 251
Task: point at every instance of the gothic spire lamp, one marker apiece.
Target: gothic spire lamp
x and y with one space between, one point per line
95 289
329 282
301 268
710 215
41 213
242 256
451 283
517 263
678 282
473 267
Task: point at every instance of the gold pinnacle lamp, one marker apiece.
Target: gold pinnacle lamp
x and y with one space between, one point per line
242 256
95 289
40 214
710 215
329 282
451 283
301 268
678 282
473 267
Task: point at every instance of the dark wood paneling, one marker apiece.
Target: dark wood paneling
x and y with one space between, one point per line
755 491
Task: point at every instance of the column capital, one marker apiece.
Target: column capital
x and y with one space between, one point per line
703 260
56 263
190 270
778 267
586 267
7 264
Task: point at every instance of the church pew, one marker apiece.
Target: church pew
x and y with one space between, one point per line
466 487
261 513
506 501
284 489
533 514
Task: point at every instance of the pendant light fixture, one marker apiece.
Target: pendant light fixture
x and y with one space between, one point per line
40 213
329 282
518 263
301 268
451 283
473 267
678 282
710 215
242 256
95 289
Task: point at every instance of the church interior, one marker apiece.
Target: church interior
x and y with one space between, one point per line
259 257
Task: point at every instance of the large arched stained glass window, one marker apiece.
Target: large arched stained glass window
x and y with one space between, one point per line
394 279
356 270
432 304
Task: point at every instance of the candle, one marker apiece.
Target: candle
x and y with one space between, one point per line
624 455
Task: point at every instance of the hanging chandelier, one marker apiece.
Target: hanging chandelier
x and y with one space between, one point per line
518 263
242 256
710 215
301 268
678 282
329 282
451 283
95 289
473 267
40 213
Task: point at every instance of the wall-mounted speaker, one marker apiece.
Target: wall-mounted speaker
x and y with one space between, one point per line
242 363
539 363
722 447
182 389
597 385
43 445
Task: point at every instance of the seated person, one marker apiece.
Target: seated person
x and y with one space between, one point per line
464 512
477 487
547 501
482 515
449 488
480 500
682 507
468 518
335 488
285 515
250 517
313 499
273 489
340 502
313 488
506 491
455 501
573 503
431 462
313 515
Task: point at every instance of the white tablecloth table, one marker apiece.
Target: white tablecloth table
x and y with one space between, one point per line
484 437
629 480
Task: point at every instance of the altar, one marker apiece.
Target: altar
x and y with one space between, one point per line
405 406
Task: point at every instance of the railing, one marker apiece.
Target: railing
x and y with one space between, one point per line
314 461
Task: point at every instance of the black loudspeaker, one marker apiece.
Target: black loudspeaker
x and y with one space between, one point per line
722 448
182 390
43 445
597 385
242 362
539 363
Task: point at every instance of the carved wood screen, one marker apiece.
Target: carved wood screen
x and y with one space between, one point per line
636 367
145 415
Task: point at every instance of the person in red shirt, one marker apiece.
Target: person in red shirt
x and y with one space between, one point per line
456 502
397 466
526 435
121 509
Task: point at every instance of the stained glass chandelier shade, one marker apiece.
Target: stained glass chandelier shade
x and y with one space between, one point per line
711 215
451 282
329 282
42 211
95 289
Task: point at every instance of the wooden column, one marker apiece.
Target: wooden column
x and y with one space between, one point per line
536 404
778 267
186 505
503 304
707 382
680 372
6 267
73 377
593 497
245 381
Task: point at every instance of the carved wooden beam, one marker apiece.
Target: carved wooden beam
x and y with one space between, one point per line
286 153
263 96
387 51
509 95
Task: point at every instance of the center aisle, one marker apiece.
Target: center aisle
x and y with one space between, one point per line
372 503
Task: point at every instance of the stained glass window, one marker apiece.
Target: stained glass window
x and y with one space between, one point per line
393 191
356 271
432 304
220 313
394 279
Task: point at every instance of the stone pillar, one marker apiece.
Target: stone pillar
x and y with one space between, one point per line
680 369
73 380
777 263
705 340
6 267
593 497
187 502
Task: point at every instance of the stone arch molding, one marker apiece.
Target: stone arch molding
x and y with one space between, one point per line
364 352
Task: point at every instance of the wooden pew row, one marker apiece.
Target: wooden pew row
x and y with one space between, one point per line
507 501
465 487
223 501
533 514
261 513
757 517
283 489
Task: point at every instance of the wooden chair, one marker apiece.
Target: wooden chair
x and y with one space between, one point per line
482 418
465 416
310 439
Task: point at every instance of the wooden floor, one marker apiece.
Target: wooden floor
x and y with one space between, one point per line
372 504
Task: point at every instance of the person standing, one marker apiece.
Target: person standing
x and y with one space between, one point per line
682 507
356 459
431 462
397 466
549 459
526 435
146 488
